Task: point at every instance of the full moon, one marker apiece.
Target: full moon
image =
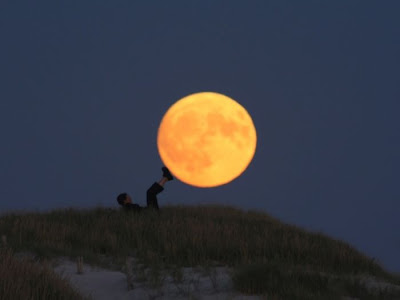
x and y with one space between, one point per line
206 139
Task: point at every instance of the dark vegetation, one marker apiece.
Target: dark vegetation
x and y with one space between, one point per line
22 279
268 257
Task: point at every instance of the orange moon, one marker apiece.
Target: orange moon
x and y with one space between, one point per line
206 139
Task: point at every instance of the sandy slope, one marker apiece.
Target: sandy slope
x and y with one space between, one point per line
102 284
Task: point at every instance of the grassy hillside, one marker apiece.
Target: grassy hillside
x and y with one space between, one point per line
269 257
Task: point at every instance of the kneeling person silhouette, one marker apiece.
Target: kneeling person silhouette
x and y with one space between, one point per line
126 201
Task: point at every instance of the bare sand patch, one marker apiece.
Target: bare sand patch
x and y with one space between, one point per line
103 284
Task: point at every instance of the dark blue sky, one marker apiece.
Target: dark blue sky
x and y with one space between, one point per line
84 85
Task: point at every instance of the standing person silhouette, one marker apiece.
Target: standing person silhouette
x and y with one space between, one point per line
126 201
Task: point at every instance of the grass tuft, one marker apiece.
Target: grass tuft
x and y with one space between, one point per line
22 279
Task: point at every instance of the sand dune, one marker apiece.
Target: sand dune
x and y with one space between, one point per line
103 284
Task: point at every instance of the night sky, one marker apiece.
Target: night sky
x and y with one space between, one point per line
84 85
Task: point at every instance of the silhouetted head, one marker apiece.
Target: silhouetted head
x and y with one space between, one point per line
123 199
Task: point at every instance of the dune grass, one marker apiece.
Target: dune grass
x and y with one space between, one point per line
285 261
22 279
